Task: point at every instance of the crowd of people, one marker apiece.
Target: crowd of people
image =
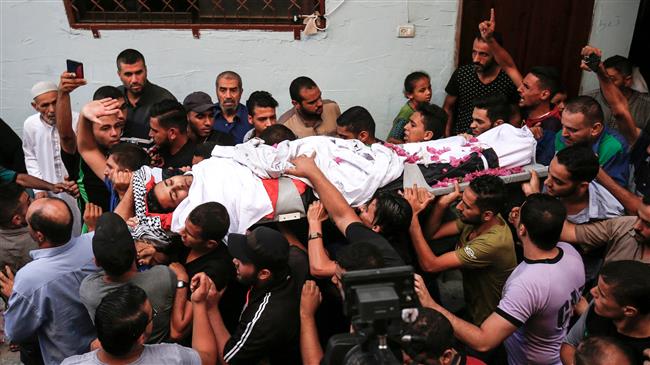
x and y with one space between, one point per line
96 268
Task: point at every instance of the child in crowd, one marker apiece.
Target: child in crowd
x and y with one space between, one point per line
417 89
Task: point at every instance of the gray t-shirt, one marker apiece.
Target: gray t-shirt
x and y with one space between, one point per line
160 354
159 283
538 299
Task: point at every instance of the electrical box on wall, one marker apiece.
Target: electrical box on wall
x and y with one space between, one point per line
406 31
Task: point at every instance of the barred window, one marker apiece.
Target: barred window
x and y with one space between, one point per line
278 15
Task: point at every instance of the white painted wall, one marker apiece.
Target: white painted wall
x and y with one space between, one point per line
611 31
358 61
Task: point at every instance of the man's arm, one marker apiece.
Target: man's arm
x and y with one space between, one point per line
125 208
419 198
568 233
320 264
434 228
493 331
182 314
572 339
67 138
203 339
310 348
448 106
501 56
631 202
331 198
617 102
22 319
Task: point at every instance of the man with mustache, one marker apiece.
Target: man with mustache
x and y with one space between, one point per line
310 115
140 94
480 78
230 116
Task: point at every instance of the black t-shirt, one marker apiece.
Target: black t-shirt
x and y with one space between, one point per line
182 158
137 117
218 265
640 158
357 232
11 149
466 86
91 188
600 326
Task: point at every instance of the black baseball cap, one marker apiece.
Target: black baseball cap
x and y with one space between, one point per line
198 102
264 247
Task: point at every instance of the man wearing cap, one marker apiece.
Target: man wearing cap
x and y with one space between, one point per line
45 295
200 120
269 325
115 253
230 116
42 144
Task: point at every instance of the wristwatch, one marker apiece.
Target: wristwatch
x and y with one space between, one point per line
314 235
181 284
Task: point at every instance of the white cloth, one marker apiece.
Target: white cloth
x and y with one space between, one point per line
602 205
42 151
514 146
355 169
231 184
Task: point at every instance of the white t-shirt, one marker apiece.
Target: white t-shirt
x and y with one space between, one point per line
160 354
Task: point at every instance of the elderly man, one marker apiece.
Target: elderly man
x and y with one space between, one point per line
230 116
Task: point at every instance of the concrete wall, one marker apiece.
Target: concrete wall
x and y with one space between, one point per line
611 31
358 61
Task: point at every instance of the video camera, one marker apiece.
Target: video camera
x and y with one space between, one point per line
374 300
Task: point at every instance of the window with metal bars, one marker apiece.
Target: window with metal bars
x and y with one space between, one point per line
278 15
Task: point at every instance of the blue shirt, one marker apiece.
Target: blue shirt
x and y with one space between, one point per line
45 300
239 126
115 199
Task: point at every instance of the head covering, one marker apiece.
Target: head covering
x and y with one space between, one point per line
265 248
43 87
198 102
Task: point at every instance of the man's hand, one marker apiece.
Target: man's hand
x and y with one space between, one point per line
446 200
69 82
533 186
585 52
423 293
92 213
145 252
646 355
303 166
514 215
6 282
204 290
537 131
71 187
310 299
418 198
487 27
41 195
316 213
100 108
179 270
121 181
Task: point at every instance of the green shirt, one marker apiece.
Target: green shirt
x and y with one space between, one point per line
397 131
487 261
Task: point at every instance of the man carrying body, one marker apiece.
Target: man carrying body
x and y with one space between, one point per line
485 252
168 129
139 94
200 120
261 113
230 116
269 325
357 123
483 77
537 301
62 325
310 115
426 124
115 252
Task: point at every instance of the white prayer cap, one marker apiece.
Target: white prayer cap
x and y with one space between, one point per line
42 87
